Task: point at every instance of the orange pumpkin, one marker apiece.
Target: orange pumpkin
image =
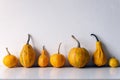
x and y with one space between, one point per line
78 57
10 60
57 60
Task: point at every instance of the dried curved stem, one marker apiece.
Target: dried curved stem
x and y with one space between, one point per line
28 39
43 47
95 36
7 51
76 40
59 48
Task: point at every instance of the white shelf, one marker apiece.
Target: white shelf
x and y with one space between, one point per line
59 73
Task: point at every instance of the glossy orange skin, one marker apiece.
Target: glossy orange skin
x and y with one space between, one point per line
57 60
10 61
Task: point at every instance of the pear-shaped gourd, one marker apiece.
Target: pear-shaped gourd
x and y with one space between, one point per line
57 59
27 55
78 56
10 60
99 57
43 59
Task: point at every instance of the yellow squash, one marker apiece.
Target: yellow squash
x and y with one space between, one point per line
57 60
78 56
113 62
10 60
99 57
43 59
27 55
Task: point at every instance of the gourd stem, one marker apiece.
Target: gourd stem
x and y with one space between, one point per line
7 51
43 51
59 48
28 39
95 36
76 40
43 47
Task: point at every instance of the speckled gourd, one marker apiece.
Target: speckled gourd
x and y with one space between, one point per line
27 55
78 56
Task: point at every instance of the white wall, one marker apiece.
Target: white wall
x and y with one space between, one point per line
53 21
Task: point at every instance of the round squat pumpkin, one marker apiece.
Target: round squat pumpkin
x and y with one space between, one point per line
57 60
10 60
78 57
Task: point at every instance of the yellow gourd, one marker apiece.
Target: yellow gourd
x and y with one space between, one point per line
78 56
43 59
10 60
57 60
99 57
113 62
27 55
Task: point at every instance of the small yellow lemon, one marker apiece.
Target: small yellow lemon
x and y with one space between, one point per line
113 62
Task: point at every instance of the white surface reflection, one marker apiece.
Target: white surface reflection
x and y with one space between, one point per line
59 73
114 71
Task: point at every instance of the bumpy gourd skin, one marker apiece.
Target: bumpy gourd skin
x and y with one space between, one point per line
43 59
27 55
78 57
99 58
10 61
